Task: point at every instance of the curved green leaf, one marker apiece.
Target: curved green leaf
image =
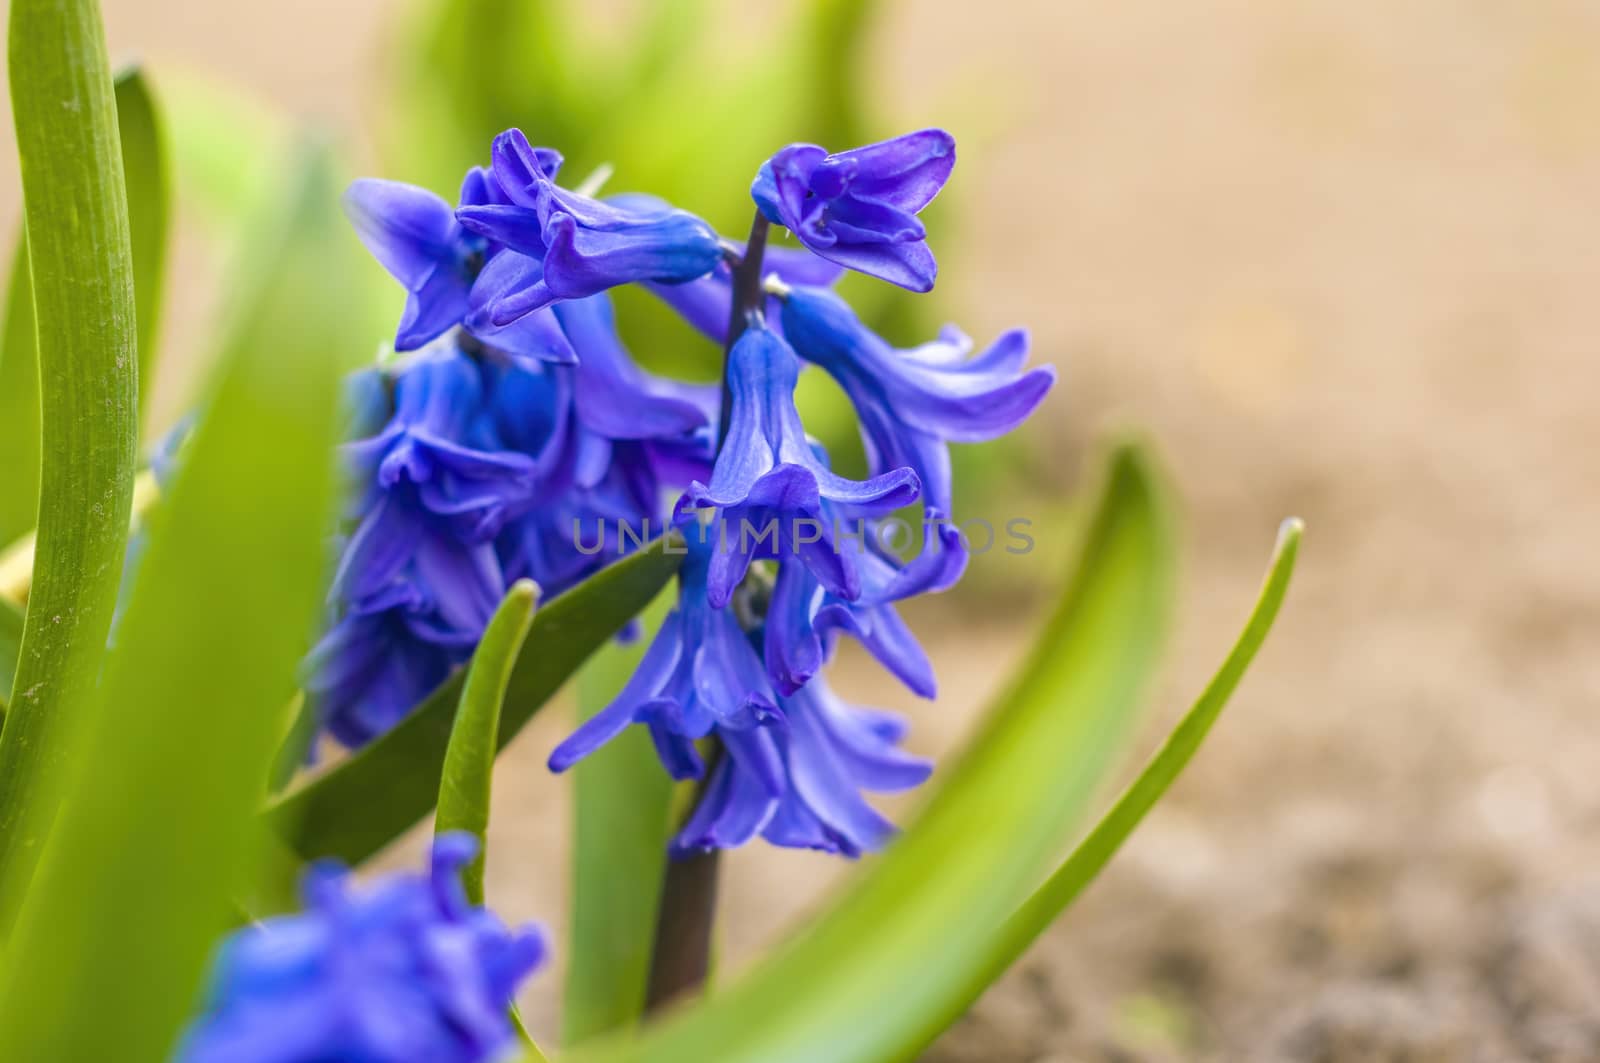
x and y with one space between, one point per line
622 819
359 806
1096 850
82 272
467 777
144 168
468 772
160 829
855 985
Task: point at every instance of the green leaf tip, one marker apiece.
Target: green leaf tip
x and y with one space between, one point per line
359 806
147 177
466 779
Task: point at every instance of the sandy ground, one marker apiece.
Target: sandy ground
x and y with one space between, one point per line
1340 260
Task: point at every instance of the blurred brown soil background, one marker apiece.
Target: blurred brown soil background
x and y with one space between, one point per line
1339 260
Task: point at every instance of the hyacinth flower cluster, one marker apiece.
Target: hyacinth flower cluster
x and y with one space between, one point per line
404 969
513 433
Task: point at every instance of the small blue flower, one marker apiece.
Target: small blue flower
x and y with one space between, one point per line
416 237
375 664
435 476
859 208
572 245
701 674
767 476
911 403
532 338
403 970
830 752
803 616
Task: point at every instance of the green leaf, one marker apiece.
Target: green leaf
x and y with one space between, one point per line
144 167
468 771
10 642
230 151
858 984
623 817
362 804
160 830
144 170
19 407
82 272
1096 850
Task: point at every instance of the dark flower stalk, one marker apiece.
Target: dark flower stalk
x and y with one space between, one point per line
688 912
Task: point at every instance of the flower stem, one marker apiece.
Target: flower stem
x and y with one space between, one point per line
748 303
684 923
688 912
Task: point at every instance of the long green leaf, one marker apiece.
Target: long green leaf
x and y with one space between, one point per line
230 152
82 272
1102 843
468 772
160 830
361 805
10 643
144 169
19 406
622 819
145 172
855 987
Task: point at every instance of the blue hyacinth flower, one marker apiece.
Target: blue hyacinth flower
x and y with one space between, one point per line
793 768
415 236
770 486
375 664
913 402
614 396
434 477
803 617
859 208
608 440
700 675
402 970
418 576
830 753
576 245
532 338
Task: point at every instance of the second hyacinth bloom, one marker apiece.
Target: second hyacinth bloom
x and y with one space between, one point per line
859 208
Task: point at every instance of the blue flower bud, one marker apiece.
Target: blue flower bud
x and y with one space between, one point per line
859 208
